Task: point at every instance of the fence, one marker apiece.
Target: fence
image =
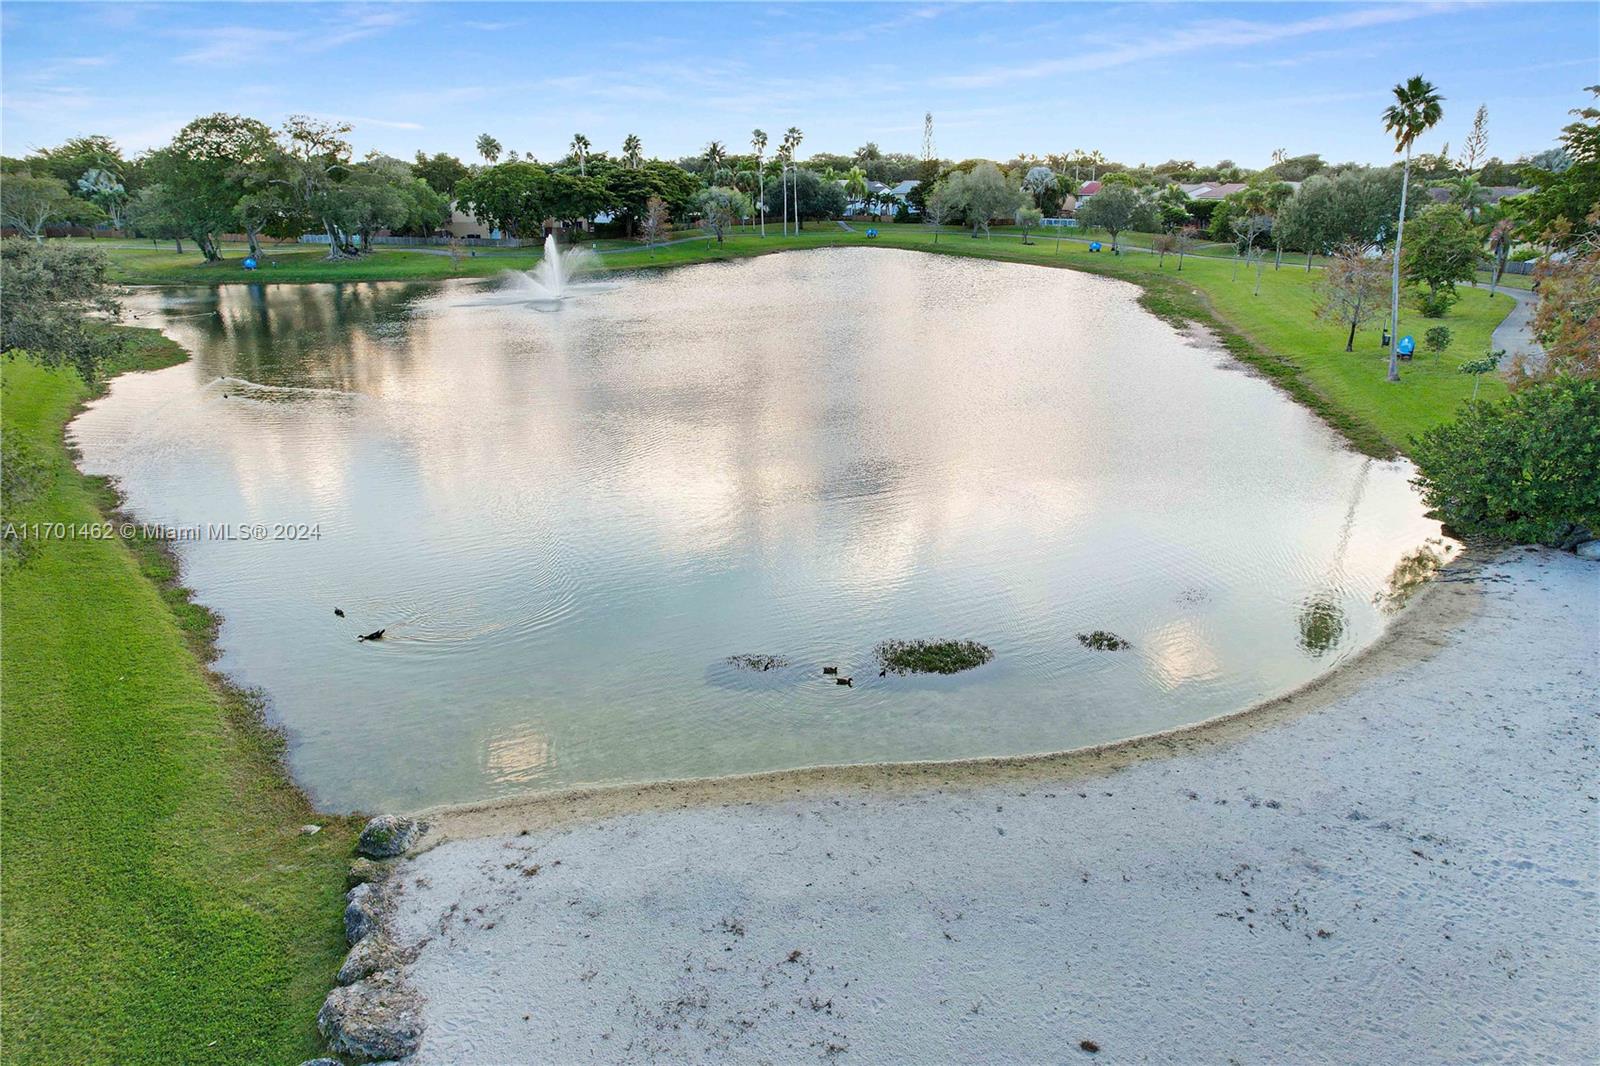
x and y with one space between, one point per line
435 242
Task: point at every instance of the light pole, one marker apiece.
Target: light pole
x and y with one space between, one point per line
783 178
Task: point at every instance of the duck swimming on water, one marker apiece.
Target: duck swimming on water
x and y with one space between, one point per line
376 634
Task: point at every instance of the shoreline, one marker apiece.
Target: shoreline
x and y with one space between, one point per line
1386 866
1431 617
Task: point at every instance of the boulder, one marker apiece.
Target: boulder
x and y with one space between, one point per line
322 1062
373 954
363 913
1589 549
365 870
388 835
378 1018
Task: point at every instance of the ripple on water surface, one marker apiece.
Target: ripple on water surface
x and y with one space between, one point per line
566 523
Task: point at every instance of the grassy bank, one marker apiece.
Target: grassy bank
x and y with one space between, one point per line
161 904
1275 331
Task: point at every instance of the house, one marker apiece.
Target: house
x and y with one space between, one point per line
1086 190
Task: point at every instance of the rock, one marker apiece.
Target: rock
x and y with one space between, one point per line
375 953
388 835
378 1018
1589 549
363 913
364 870
322 1062
307 830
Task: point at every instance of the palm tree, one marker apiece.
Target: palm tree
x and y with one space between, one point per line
1500 241
632 151
855 185
580 149
792 137
1415 111
489 148
758 141
716 155
1467 192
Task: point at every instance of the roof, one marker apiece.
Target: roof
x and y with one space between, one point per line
1212 190
904 187
1089 188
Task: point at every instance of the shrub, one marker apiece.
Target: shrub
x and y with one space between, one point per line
1435 304
1521 470
1438 339
53 293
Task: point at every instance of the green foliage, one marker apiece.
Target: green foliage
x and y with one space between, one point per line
442 171
1116 207
932 656
51 289
1563 200
1441 249
1437 339
721 208
1521 470
1354 205
1103 640
29 203
818 198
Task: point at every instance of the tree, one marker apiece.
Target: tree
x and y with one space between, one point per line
205 170
54 292
1437 339
29 203
152 214
1028 218
1443 251
938 208
1476 146
1350 289
1185 238
256 212
1162 244
1567 320
982 194
105 190
315 158
1172 203
721 208
1040 182
1567 192
855 186
1354 205
655 222
1416 110
758 141
1117 207
489 148
1500 241
716 155
76 156
441 171
1521 470
580 152
813 197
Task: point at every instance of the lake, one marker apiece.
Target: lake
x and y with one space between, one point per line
566 523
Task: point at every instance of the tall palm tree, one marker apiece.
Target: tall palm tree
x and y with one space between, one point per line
1500 241
716 155
1415 111
632 151
489 148
792 137
758 141
580 149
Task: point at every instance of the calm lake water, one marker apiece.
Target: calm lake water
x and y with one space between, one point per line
567 522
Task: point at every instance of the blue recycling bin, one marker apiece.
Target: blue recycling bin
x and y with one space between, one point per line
872 233
250 263
1406 346
1094 246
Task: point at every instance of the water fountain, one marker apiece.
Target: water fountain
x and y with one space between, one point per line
554 279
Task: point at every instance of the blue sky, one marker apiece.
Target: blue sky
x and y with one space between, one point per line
1142 82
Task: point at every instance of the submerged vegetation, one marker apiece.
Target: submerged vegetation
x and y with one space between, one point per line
932 656
758 663
1103 640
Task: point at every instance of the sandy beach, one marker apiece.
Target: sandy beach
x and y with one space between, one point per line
1397 864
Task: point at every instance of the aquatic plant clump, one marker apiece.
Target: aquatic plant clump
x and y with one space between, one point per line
759 663
932 656
1103 640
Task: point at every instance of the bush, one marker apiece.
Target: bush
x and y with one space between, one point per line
1438 339
1435 304
1522 470
52 293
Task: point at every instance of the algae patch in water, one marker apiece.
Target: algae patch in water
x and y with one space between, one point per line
932 656
758 663
1103 640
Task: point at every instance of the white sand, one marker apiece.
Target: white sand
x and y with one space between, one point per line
1400 865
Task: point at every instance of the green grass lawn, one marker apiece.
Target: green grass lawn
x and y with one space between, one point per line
160 903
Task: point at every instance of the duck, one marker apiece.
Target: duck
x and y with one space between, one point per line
830 670
339 612
376 634
845 681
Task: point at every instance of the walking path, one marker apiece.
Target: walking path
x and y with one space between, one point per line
1515 334
1396 865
